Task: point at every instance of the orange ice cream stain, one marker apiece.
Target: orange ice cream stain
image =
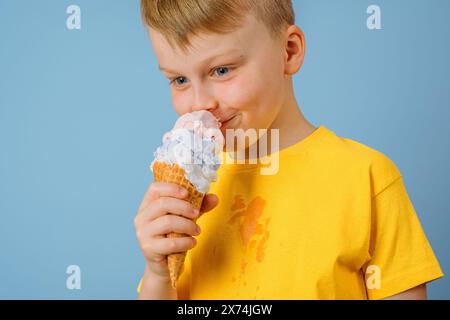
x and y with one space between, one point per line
260 250
238 203
252 228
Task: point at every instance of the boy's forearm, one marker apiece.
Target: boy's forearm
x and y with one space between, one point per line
156 289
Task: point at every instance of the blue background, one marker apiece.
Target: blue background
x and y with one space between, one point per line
82 111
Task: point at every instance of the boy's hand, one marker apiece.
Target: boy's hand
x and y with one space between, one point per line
164 210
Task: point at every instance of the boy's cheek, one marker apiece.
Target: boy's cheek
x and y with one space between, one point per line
239 94
180 103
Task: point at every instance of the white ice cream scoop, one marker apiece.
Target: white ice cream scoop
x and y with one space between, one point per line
194 144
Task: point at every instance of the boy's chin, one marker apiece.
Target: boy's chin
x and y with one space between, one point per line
236 147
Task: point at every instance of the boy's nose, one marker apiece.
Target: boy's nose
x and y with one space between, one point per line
204 100
207 107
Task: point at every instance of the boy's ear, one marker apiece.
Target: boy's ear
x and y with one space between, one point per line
295 49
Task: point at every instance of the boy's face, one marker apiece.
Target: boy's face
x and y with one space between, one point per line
238 76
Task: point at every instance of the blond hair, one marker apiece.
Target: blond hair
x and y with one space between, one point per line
177 20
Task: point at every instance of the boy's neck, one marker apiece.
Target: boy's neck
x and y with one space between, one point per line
292 125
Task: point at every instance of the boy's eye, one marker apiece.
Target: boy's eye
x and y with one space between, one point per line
221 71
180 81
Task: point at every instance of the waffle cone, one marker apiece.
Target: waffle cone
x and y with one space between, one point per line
173 173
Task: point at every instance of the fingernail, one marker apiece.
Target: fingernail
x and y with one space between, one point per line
197 229
195 212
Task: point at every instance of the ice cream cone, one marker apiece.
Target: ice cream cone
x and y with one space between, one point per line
173 173
189 157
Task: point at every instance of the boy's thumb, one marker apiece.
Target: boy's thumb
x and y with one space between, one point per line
210 201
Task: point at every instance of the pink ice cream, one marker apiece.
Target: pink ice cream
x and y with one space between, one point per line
202 123
205 117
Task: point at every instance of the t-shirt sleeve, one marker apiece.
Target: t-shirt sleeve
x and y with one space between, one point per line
183 281
401 256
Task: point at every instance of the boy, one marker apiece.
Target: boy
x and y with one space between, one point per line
334 222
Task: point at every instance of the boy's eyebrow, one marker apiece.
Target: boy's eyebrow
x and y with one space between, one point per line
207 60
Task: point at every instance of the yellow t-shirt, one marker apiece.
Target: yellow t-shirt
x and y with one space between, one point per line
335 222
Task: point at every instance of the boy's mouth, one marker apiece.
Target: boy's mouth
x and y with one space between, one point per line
225 124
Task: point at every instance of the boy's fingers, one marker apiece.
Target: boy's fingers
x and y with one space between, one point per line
165 246
165 205
162 189
210 201
173 223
